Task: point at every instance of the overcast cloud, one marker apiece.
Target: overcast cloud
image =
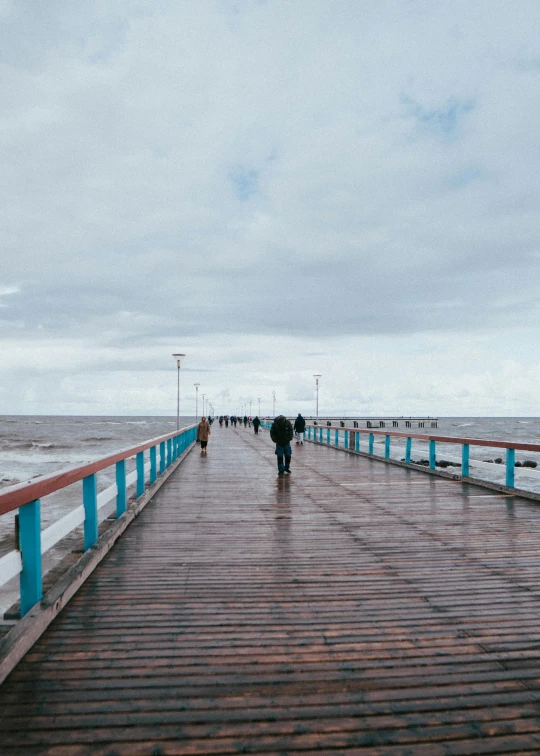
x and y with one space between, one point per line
276 188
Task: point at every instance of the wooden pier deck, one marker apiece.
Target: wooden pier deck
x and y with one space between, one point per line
353 608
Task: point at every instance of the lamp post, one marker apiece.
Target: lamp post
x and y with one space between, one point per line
196 401
259 400
250 407
178 357
317 376
274 403
203 405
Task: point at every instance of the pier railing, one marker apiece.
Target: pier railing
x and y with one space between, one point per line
355 439
26 560
350 438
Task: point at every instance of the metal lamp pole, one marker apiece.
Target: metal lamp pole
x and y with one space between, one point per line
203 405
196 401
317 376
259 400
274 403
178 357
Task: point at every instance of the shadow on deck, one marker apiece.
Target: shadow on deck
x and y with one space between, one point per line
355 607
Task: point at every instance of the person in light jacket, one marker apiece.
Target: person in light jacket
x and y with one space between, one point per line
203 432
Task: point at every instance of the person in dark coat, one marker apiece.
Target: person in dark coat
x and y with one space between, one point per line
282 434
299 428
256 423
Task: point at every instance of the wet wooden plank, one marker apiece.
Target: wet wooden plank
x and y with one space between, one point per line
354 607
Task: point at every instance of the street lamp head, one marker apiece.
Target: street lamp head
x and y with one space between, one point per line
178 357
196 385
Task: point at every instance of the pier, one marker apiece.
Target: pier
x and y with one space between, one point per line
355 607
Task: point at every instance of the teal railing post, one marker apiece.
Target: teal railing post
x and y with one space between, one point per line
320 435
121 496
153 464
432 454
169 451
346 441
328 436
510 467
357 441
90 511
371 441
30 548
465 460
140 474
336 438
162 457
387 447
309 432
408 447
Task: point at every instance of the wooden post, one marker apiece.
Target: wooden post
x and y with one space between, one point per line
121 496
30 548
90 511
510 467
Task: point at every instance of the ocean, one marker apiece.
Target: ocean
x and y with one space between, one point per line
37 445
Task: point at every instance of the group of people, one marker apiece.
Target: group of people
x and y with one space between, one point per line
282 433
233 420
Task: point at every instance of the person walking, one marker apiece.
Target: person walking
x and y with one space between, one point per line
256 423
245 421
203 432
281 434
299 429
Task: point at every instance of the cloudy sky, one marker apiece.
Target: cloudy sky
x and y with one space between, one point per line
277 189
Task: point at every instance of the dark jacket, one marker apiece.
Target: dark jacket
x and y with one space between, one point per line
256 422
281 431
299 424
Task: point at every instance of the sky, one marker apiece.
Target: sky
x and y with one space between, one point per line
276 189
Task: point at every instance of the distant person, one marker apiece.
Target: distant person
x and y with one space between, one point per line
282 434
226 421
203 432
299 429
221 421
256 423
245 421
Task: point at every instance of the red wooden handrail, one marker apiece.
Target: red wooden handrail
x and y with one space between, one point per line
15 496
445 439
